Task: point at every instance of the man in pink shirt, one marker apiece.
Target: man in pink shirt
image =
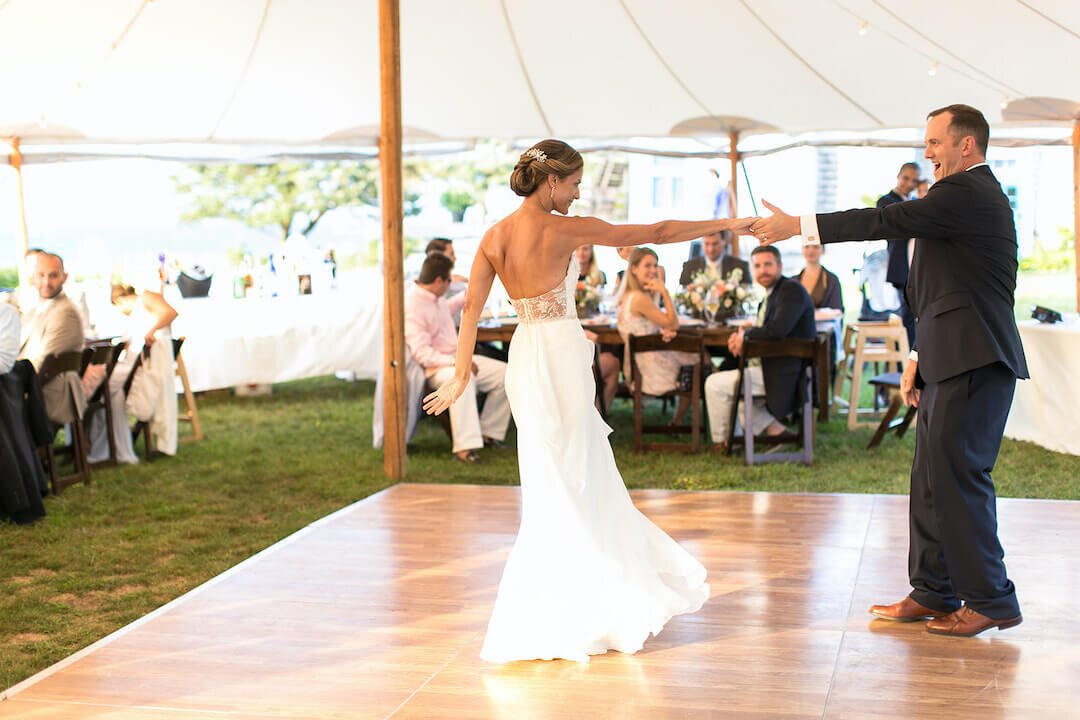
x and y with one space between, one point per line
432 339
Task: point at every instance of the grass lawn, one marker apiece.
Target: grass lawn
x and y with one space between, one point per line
142 535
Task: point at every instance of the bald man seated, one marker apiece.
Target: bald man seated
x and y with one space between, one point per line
52 327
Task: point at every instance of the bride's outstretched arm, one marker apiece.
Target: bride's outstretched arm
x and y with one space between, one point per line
593 231
480 279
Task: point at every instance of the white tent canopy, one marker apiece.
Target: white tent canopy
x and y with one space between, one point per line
306 71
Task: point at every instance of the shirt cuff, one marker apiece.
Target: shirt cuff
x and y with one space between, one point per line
809 230
913 355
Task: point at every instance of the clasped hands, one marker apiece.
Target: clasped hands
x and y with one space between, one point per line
771 229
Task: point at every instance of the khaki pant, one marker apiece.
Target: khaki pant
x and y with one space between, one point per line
720 395
468 426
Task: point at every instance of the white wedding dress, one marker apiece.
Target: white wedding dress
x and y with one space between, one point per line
588 572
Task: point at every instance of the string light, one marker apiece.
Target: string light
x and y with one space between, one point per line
862 28
1004 102
933 69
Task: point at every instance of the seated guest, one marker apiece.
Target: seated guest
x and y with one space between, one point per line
715 258
786 312
446 247
9 337
152 398
589 273
822 285
640 315
432 339
620 287
52 327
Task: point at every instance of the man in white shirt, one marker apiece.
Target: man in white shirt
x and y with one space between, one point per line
9 337
432 339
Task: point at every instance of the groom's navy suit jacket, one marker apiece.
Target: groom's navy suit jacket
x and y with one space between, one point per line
963 274
789 313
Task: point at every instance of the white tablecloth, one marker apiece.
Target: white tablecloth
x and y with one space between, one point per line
235 342
1045 408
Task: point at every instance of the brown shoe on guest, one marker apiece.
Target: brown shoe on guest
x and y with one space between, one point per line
907 610
965 622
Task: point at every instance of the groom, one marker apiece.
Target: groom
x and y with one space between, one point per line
961 373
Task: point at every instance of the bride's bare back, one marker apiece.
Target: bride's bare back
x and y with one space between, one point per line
527 252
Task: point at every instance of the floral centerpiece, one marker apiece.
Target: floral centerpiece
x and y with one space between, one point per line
714 297
587 299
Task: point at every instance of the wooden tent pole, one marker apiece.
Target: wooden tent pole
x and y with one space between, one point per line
15 158
1076 204
394 391
733 156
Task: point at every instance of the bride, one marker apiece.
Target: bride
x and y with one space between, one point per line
588 572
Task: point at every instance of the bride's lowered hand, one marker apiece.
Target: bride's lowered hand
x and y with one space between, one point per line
445 396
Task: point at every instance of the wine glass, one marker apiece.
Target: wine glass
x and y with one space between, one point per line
712 306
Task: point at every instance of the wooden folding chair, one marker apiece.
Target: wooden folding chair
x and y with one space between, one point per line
684 342
865 342
807 350
108 355
191 414
53 366
889 423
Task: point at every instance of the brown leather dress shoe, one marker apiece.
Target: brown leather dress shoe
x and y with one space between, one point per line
965 622
907 610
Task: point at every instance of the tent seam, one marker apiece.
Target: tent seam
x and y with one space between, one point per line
1049 19
992 85
664 62
810 67
525 70
243 73
942 48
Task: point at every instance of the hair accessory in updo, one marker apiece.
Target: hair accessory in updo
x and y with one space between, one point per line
536 154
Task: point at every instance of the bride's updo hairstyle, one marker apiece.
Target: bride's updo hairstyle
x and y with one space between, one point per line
547 157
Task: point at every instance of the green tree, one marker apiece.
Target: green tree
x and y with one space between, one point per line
457 200
471 174
1042 259
285 197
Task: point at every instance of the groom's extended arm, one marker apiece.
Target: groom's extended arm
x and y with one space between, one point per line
940 214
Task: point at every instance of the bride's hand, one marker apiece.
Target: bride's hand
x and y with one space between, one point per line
741 226
444 397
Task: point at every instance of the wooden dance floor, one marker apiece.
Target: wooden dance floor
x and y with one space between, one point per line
379 610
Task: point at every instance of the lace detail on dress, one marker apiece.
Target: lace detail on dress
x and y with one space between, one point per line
555 304
552 305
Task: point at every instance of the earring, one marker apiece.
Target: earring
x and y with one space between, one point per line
551 196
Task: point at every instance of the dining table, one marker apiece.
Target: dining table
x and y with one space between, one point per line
501 330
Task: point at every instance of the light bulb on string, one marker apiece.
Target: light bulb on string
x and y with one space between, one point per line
933 69
862 28
1004 102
